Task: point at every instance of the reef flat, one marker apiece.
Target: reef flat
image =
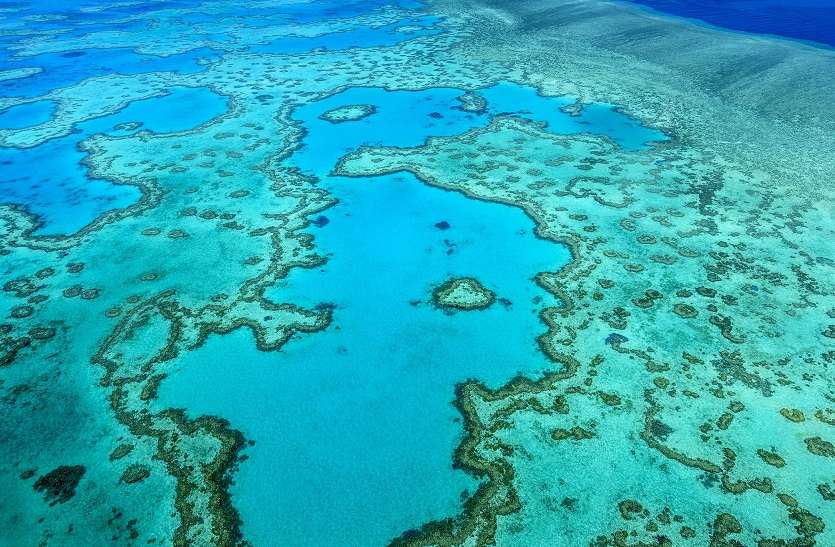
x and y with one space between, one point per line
215 296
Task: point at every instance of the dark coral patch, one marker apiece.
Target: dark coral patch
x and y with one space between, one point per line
59 484
660 430
135 473
20 312
685 310
615 338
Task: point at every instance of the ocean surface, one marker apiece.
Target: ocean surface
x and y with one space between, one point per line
372 272
807 20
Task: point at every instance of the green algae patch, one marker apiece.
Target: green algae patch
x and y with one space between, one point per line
463 293
21 312
724 525
348 113
58 486
826 416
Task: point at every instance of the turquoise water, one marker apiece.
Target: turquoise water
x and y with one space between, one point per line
68 68
405 118
387 35
26 115
59 192
180 109
595 118
255 355
357 420
361 413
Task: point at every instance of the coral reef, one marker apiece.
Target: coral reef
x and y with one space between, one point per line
349 113
687 398
462 293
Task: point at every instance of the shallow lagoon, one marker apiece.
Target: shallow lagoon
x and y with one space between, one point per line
60 194
387 35
358 420
27 114
68 68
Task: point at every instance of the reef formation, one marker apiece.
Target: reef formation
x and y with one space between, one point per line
689 398
349 113
463 293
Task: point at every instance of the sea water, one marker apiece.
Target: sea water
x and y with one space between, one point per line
349 433
59 193
358 420
807 20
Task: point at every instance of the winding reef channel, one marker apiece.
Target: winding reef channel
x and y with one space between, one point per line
369 272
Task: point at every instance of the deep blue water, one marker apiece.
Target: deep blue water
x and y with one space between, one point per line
810 20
